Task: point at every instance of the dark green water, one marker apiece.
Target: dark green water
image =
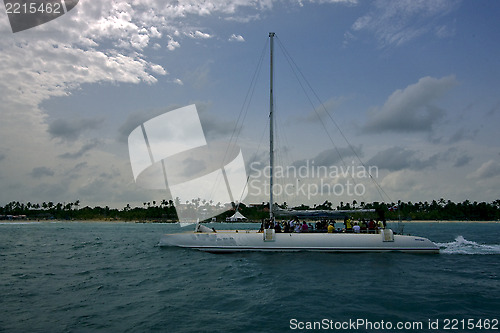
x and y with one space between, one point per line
112 277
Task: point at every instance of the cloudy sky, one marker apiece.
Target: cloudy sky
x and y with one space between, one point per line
412 85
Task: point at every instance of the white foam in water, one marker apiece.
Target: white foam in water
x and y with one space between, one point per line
463 246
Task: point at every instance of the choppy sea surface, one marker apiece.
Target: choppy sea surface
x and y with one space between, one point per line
113 277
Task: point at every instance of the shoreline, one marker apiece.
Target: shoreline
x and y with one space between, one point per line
443 221
165 222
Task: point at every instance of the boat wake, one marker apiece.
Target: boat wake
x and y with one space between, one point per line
463 246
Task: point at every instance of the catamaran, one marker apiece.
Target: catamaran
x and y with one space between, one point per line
380 240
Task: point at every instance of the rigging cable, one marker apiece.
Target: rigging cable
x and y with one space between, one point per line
241 118
294 67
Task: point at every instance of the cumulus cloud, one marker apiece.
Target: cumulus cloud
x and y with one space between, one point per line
172 44
71 129
93 43
411 109
155 33
236 38
399 180
98 42
139 41
198 35
38 70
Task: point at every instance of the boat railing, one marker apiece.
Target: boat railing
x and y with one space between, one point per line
338 231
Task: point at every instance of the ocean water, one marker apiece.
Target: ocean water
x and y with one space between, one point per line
113 277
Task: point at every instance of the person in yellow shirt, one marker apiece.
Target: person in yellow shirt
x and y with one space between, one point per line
348 224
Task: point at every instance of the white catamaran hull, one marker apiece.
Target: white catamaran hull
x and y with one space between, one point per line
237 241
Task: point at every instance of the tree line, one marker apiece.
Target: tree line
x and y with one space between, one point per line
164 210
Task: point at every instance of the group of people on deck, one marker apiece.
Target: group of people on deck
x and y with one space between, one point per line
294 225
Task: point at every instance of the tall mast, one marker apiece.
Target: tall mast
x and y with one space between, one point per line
271 134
